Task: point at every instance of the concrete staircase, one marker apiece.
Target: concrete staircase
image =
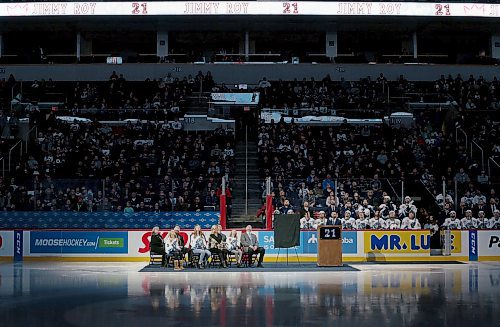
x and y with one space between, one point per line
240 216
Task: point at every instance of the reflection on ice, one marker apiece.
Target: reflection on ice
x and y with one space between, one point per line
390 294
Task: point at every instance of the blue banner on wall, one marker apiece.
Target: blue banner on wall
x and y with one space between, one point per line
309 242
349 242
106 220
266 240
78 242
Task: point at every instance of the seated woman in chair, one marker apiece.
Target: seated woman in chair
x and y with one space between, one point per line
217 245
172 248
234 246
157 245
199 246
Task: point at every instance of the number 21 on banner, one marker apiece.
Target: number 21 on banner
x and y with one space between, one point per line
139 8
442 9
290 8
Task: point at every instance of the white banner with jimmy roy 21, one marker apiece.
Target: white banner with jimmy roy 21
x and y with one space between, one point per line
244 8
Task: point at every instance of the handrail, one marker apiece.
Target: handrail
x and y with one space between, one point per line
482 152
393 190
27 135
21 141
12 148
489 166
430 193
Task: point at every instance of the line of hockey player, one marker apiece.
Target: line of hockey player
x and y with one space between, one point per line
469 222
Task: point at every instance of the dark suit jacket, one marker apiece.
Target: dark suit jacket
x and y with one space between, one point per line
336 221
157 244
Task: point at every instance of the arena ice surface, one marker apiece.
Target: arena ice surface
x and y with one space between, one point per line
111 294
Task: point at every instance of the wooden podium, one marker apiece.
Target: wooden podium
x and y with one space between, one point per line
329 246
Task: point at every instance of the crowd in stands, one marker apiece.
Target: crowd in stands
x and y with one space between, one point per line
116 99
136 167
84 165
312 97
298 157
168 169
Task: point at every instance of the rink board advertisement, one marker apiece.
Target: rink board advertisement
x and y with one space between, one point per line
6 244
488 244
78 242
397 242
103 245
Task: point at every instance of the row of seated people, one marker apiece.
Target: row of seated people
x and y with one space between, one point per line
317 97
355 207
216 247
144 195
94 99
361 220
93 167
151 149
421 153
474 182
317 155
470 222
320 193
472 200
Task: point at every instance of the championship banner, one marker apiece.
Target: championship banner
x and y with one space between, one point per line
245 8
397 242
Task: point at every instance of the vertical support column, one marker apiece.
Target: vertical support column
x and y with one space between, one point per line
269 205
247 45
415 45
495 46
331 47
161 44
222 205
444 191
1 45
78 46
83 46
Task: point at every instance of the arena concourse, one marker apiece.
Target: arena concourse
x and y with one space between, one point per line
263 163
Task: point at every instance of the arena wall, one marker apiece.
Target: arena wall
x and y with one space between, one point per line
358 246
244 73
